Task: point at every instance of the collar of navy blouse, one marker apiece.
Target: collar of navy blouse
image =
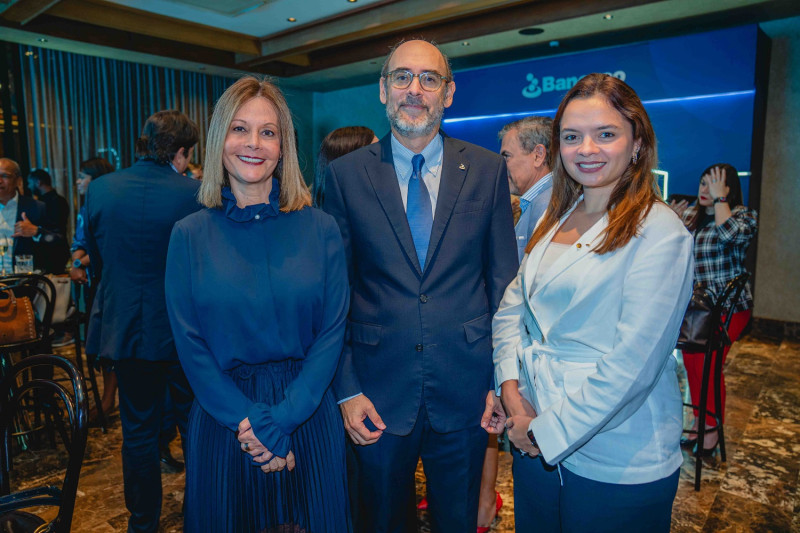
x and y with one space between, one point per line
255 211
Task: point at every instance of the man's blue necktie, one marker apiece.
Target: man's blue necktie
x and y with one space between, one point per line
523 204
418 210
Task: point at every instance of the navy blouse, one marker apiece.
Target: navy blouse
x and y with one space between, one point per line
253 286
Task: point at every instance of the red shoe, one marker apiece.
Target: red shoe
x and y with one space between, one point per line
423 504
497 506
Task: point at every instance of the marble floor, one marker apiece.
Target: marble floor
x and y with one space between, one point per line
756 490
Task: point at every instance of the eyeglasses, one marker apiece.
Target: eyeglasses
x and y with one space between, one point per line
430 81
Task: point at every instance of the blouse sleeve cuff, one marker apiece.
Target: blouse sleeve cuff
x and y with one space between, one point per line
267 431
504 370
551 441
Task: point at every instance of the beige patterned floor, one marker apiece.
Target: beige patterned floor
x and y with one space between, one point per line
757 490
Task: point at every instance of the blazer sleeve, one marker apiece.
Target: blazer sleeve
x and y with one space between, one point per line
346 383
656 290
507 330
500 251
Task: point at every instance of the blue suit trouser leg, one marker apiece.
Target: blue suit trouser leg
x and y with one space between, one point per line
142 386
386 479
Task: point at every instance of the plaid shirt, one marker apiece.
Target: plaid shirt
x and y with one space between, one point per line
719 252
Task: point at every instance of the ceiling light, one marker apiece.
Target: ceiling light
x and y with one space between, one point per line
42 40
352 1
554 44
292 19
531 31
608 16
465 43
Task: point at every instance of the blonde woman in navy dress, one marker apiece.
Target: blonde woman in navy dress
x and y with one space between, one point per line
583 336
257 295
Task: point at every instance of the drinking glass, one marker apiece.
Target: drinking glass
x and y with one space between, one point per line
4 244
23 264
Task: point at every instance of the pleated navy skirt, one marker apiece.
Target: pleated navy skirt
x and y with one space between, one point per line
227 493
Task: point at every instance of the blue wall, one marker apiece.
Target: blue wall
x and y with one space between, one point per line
698 89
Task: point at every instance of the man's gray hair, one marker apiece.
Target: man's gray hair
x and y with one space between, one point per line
531 131
385 69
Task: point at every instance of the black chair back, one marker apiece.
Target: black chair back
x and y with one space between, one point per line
13 389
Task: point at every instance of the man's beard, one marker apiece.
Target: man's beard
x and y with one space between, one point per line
407 128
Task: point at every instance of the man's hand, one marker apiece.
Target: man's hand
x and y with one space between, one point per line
25 228
78 275
494 416
518 433
354 412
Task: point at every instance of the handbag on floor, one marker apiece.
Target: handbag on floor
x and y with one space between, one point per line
17 322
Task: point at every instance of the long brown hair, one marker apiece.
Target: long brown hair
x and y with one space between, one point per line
294 194
337 143
635 192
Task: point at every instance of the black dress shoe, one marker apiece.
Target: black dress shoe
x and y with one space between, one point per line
168 463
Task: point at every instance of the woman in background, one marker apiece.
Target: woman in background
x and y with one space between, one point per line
723 229
584 334
337 143
257 296
82 274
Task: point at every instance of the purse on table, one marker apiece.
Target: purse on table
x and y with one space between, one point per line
17 322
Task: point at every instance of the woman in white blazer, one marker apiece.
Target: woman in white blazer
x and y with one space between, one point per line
584 334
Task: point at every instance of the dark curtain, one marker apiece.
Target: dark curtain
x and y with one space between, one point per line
78 107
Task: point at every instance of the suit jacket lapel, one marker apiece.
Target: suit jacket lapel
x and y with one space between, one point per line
381 173
454 172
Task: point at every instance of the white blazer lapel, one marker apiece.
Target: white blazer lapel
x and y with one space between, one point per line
582 248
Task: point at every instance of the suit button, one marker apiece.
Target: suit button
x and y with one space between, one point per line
423 298
418 347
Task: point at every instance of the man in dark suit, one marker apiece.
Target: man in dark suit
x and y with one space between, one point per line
40 184
23 220
429 238
130 215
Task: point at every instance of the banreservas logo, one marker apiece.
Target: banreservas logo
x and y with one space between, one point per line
551 83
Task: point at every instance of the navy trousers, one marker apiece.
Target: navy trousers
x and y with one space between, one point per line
142 387
386 479
542 504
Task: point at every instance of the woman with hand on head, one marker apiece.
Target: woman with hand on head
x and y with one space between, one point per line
257 295
723 229
584 334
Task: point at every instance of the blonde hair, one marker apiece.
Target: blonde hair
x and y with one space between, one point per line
294 193
637 189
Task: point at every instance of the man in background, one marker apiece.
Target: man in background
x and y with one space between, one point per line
24 225
525 145
130 214
55 255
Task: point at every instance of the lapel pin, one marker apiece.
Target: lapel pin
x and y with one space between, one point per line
462 166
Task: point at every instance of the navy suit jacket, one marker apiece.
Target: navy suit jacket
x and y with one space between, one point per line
130 214
36 213
412 334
